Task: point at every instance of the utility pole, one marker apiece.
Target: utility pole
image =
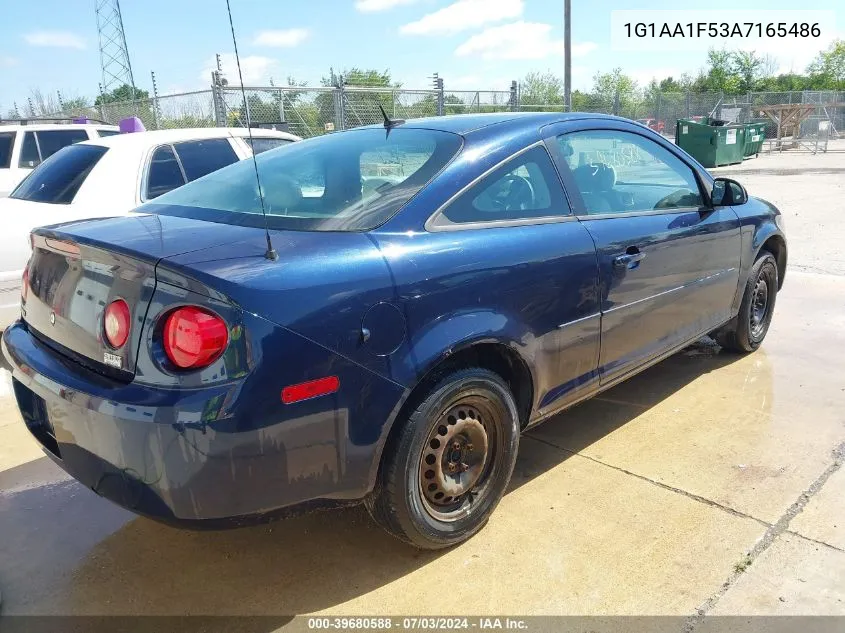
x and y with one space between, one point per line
567 53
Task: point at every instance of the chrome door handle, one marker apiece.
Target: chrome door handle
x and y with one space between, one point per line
628 260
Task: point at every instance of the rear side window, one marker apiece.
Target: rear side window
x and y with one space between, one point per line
200 158
51 141
165 173
261 145
104 133
7 142
526 187
58 179
29 151
39 146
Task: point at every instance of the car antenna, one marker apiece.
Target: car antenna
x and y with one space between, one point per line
271 253
389 123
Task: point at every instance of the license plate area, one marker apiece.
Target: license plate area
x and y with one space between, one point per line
33 409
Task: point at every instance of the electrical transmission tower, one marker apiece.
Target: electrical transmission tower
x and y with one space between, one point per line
114 55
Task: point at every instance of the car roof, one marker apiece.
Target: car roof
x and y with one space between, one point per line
466 123
156 137
14 127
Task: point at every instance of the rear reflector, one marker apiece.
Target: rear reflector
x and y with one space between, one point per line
116 321
312 389
194 338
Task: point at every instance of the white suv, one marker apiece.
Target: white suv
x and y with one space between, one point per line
25 144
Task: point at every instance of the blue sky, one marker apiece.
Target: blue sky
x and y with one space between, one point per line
473 44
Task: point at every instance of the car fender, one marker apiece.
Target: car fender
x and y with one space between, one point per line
761 230
436 342
426 350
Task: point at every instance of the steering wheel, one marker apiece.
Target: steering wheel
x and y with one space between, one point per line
515 194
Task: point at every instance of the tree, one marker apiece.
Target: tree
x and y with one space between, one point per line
669 84
453 105
828 69
41 104
123 93
359 107
541 89
614 91
76 103
366 78
719 74
746 68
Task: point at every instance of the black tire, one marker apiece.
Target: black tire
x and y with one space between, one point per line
469 407
747 330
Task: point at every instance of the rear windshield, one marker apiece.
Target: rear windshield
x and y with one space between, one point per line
58 178
351 181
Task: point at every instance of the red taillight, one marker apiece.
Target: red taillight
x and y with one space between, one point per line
25 283
312 389
116 322
194 338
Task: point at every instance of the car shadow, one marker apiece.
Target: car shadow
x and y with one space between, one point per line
66 551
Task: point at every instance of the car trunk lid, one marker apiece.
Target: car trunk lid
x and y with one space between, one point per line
77 269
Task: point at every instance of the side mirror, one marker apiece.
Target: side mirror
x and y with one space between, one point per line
727 192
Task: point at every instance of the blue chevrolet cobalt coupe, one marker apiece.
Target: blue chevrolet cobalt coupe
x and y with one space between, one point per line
374 316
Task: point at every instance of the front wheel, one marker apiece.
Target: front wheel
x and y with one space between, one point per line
448 465
746 332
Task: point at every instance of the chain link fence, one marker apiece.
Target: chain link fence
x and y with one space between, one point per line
311 111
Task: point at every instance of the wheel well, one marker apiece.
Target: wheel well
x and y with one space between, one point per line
496 357
776 245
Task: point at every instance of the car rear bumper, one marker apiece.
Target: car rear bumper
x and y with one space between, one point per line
171 455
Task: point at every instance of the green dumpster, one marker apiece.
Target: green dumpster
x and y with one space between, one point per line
711 145
755 135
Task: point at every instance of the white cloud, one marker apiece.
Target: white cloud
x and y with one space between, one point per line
371 6
7 61
519 40
286 38
256 69
56 39
464 15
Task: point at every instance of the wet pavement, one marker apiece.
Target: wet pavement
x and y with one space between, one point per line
710 481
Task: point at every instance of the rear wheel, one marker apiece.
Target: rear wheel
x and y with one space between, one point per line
746 332
449 464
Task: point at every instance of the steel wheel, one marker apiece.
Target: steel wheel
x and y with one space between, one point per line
746 331
759 307
450 460
457 459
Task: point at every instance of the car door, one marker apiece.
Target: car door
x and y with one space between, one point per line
668 263
510 246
